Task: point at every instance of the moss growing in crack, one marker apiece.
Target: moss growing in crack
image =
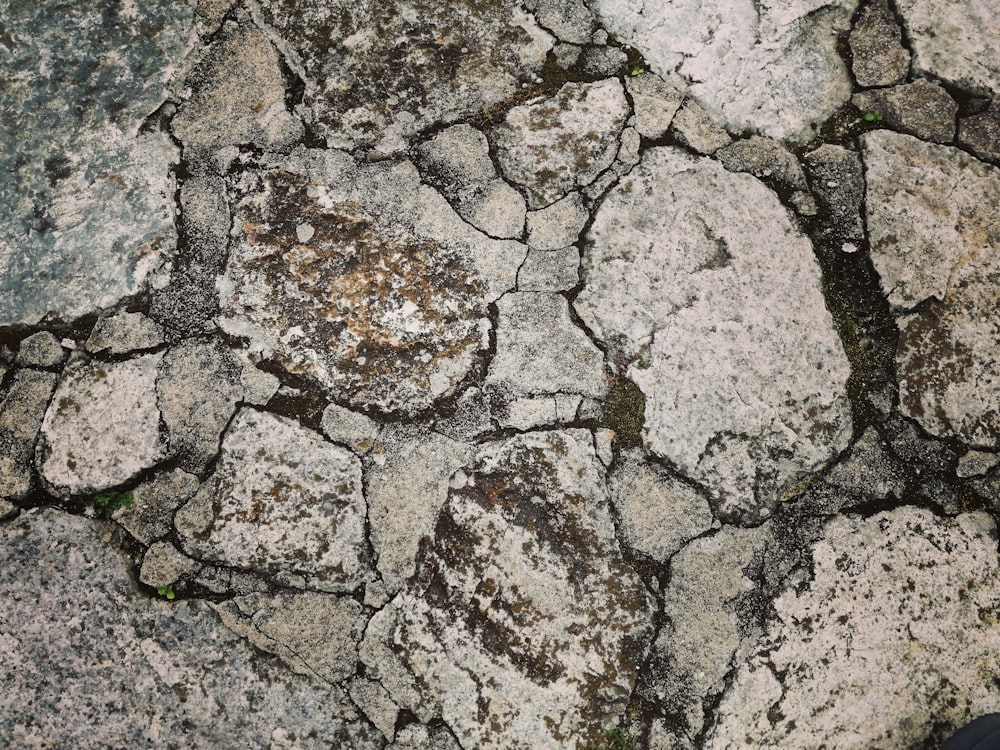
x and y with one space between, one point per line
106 503
625 412
612 739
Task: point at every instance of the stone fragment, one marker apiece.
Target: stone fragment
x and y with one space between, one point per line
40 349
124 332
744 378
764 158
456 158
376 703
283 502
655 103
498 623
494 208
559 225
569 362
868 471
934 235
921 108
976 463
102 427
377 74
694 128
527 413
314 634
554 145
197 389
150 515
954 41
406 489
838 182
602 61
258 386
470 419
549 271
21 413
135 671
981 133
803 203
86 201
887 644
163 565
659 513
420 737
387 304
878 57
771 68
568 20
8 510
349 428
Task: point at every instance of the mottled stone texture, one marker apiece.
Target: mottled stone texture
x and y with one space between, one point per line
878 55
496 632
730 342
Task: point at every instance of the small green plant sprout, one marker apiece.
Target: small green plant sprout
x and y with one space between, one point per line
637 70
613 740
873 116
106 503
167 592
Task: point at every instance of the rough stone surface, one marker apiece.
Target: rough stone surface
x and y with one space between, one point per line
163 565
124 332
549 271
924 647
655 103
669 270
281 501
385 303
376 74
878 57
569 20
694 128
568 363
161 673
456 158
558 225
764 158
921 108
981 133
313 633
150 515
102 427
349 428
584 118
934 235
659 513
21 413
955 41
838 183
376 703
522 568
40 349
86 202
494 208
770 68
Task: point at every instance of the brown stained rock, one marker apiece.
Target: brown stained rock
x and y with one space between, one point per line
879 58
921 108
524 624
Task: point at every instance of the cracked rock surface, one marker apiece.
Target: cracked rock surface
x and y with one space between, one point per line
500 374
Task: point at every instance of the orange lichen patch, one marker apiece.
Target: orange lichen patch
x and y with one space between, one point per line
382 318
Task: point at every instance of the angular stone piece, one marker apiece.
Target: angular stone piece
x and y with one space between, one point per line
878 55
659 513
386 304
494 208
935 234
124 332
763 158
377 704
922 108
894 623
981 133
281 501
744 378
314 634
135 671
523 569
570 20
21 413
559 225
349 428
655 103
976 463
380 73
527 413
564 142
569 362
163 565
549 271
773 68
693 127
238 97
40 349
955 41
197 389
102 427
601 61
838 181
150 515
456 158
86 202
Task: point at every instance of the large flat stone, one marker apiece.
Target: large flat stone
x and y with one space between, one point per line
738 358
524 626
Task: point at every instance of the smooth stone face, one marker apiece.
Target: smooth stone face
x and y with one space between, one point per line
281 501
102 427
935 236
399 66
86 203
89 661
894 599
21 412
586 119
498 622
770 68
742 370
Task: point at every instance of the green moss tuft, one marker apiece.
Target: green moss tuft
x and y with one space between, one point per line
625 412
106 503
